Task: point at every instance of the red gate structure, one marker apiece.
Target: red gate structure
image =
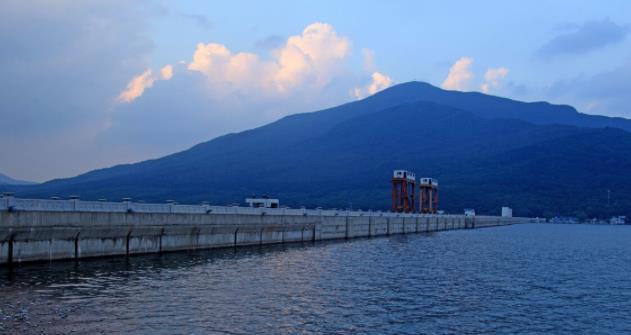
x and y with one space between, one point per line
428 195
403 190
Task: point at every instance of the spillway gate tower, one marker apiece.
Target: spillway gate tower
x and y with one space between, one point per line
403 191
428 195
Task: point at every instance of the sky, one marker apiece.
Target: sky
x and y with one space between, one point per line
91 84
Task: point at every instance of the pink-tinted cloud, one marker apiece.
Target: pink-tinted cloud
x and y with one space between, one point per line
460 75
312 58
493 79
139 83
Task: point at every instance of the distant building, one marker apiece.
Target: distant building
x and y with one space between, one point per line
564 220
618 220
263 202
507 212
469 212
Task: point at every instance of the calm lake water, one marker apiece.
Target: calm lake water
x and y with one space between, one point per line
525 279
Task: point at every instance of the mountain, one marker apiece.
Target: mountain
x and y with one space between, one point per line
487 106
6 180
486 151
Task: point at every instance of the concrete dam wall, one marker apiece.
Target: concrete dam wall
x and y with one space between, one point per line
43 235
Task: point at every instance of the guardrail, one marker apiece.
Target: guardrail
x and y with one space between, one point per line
11 203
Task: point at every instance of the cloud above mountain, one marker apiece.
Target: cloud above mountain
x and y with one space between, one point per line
603 93
461 77
141 82
311 59
378 80
87 84
97 94
493 79
583 38
220 90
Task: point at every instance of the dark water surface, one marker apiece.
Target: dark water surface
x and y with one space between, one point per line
525 279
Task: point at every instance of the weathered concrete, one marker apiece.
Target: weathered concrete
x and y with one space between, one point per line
50 235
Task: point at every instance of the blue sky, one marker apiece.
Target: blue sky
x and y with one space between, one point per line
91 84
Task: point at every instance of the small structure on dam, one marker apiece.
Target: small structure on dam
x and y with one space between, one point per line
264 202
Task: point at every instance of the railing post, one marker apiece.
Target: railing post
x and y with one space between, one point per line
9 200
128 205
74 199
170 202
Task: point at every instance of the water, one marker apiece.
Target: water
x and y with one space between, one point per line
526 279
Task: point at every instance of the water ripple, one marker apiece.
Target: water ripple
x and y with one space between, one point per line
528 279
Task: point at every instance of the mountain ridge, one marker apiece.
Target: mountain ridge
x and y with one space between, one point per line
6 180
348 152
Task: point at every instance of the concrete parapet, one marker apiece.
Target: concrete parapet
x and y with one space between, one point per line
41 235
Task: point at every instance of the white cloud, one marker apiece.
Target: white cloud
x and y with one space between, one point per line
493 78
300 73
208 58
222 90
312 58
460 75
167 72
314 54
378 80
219 90
139 83
137 86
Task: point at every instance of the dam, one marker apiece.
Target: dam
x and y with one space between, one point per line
53 229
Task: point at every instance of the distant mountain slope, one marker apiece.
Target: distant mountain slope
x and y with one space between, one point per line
6 180
296 128
496 107
564 175
486 151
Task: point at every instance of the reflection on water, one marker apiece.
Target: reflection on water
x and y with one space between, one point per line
526 279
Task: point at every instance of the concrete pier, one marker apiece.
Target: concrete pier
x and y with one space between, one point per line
32 230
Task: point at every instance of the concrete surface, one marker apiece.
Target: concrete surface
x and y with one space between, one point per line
51 235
